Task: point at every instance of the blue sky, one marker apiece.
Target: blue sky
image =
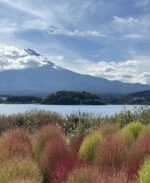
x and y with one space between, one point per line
105 38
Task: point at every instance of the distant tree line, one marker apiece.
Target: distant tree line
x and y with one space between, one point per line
78 98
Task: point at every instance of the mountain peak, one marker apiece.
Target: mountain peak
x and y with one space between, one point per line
13 58
32 52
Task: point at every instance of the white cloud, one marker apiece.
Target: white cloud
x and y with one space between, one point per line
87 33
133 36
132 71
14 58
129 20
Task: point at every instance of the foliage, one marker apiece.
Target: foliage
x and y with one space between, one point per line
111 154
89 145
144 173
73 98
109 129
42 136
63 168
19 169
53 151
15 143
130 132
82 175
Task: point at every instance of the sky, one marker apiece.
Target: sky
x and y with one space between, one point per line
104 38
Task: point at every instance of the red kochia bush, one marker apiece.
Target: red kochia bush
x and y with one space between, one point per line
137 154
20 134
44 135
15 143
76 143
53 151
63 167
111 177
111 154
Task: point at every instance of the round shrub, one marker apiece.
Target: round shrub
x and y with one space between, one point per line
83 175
20 169
111 154
20 134
127 137
137 154
15 143
63 168
135 128
42 136
53 151
89 145
14 148
108 129
144 173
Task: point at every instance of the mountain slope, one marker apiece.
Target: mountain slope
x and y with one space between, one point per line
45 77
142 94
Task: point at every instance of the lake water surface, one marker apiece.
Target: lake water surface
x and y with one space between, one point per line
65 109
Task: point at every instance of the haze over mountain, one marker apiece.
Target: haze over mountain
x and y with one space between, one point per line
26 72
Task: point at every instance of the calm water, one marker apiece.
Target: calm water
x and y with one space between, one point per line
63 109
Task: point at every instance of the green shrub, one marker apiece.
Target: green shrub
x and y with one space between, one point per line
130 132
42 136
83 175
144 173
135 128
89 145
20 169
127 136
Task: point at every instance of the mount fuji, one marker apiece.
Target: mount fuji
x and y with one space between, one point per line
26 72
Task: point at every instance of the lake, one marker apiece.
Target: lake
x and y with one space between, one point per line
7 109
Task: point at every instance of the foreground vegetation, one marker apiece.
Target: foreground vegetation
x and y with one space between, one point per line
44 147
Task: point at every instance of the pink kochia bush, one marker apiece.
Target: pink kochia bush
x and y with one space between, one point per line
139 151
53 151
84 175
113 177
110 155
76 143
63 167
42 136
15 143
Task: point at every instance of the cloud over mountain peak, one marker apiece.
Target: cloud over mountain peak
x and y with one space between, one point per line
12 58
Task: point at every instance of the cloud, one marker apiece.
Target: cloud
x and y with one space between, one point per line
14 58
129 20
76 33
132 71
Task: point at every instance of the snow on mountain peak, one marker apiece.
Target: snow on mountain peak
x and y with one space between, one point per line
13 58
